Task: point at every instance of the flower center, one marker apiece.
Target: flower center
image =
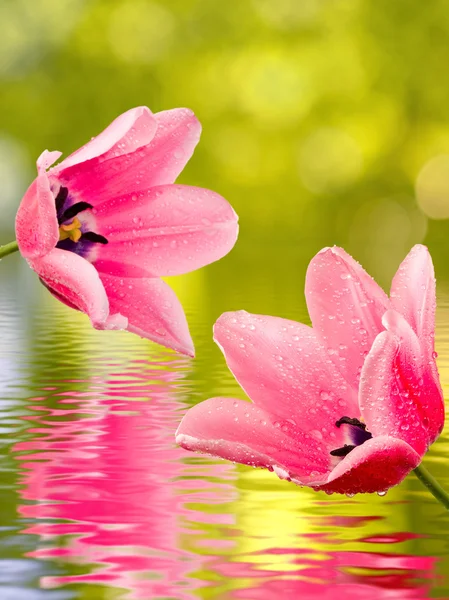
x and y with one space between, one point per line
71 231
74 233
357 432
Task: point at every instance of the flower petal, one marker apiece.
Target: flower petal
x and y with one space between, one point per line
166 230
393 397
285 370
131 130
420 373
37 229
413 294
375 466
152 309
75 282
240 431
157 163
46 159
178 132
346 307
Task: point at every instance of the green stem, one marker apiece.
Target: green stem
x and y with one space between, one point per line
8 249
432 485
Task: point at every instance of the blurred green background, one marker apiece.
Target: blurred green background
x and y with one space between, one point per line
324 122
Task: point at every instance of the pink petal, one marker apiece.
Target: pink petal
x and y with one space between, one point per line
417 373
75 282
346 307
285 370
413 294
37 229
167 230
131 130
177 134
46 159
240 431
152 309
375 466
393 398
157 163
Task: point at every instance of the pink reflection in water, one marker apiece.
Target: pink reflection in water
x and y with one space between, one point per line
113 475
302 590
334 574
136 517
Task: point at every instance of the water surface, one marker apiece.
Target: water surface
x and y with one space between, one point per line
98 502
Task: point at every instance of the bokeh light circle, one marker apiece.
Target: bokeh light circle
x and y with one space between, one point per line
382 231
432 187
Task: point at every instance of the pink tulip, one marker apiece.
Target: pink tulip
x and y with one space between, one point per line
350 405
104 225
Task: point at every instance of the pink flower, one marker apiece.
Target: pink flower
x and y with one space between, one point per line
350 405
104 225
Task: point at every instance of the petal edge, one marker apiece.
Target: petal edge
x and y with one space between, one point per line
152 309
36 225
375 466
75 282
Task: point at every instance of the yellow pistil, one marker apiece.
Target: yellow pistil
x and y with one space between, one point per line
71 230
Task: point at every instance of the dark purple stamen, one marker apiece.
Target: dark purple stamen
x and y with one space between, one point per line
73 210
60 200
350 421
343 451
96 238
358 433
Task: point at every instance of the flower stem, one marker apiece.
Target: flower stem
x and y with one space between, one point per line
8 249
432 485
